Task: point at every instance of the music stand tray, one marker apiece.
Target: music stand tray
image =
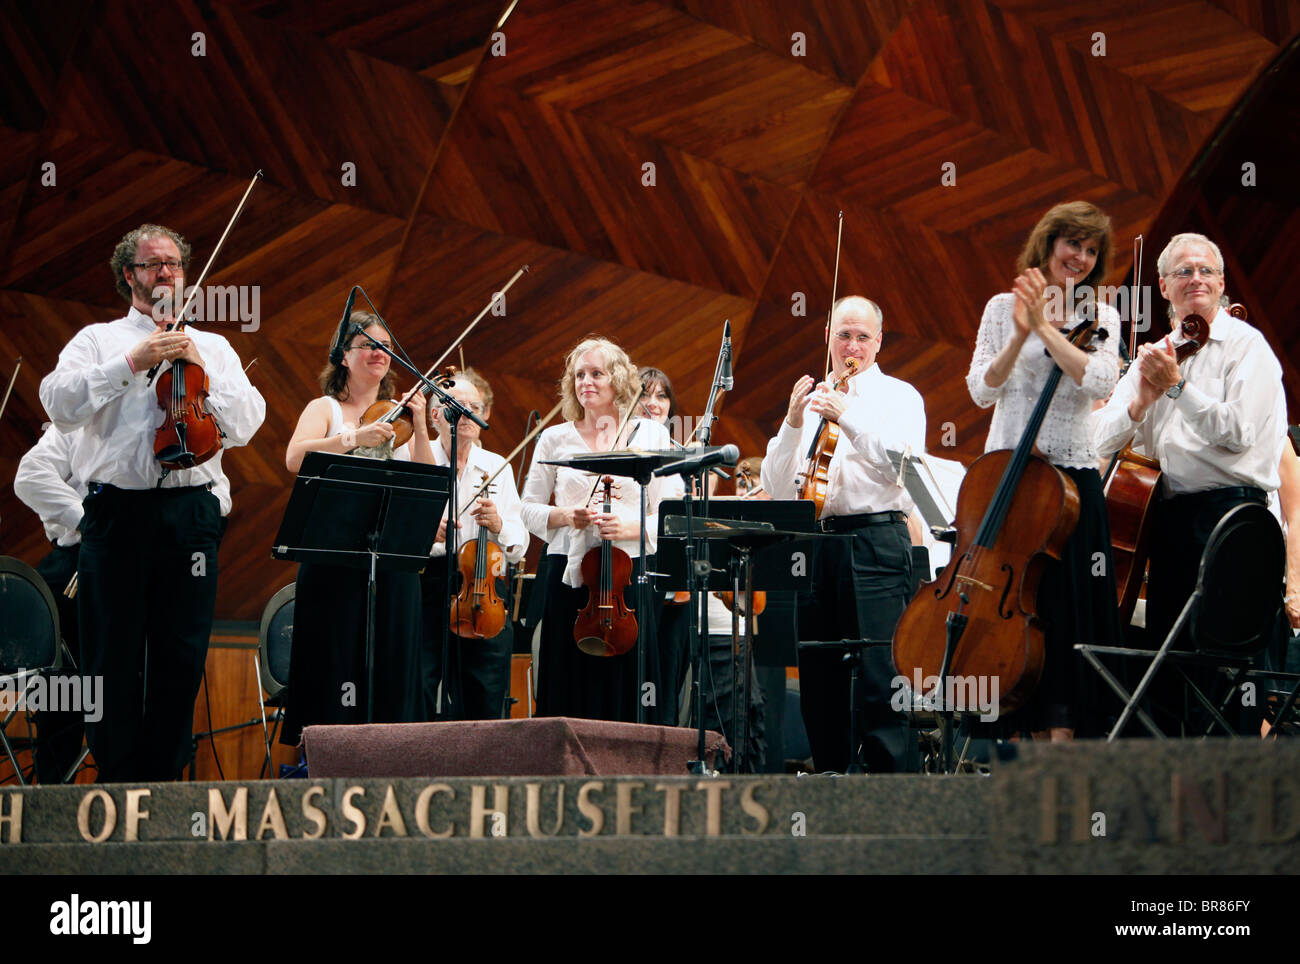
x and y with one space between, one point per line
367 514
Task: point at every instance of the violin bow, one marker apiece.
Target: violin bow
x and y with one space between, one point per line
631 410
518 448
178 319
12 378
835 281
1135 305
496 296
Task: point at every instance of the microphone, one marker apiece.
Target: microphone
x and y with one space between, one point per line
725 455
345 332
725 380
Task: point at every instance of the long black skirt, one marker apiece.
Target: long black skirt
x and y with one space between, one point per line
571 683
327 662
1077 603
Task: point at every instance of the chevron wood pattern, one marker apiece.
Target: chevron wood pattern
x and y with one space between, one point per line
763 119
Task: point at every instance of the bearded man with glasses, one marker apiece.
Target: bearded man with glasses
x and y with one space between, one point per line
147 572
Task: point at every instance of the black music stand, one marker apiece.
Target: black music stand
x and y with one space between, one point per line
362 513
638 466
743 550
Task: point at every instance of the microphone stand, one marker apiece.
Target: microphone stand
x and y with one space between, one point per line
698 571
454 411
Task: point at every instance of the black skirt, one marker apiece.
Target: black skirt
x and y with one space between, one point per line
1077 603
572 683
327 662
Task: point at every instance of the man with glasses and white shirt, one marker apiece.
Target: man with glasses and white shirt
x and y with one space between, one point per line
147 574
1216 422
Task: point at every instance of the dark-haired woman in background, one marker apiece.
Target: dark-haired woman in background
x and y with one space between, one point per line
327 671
1064 259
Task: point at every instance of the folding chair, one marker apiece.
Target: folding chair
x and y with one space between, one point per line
1230 615
30 644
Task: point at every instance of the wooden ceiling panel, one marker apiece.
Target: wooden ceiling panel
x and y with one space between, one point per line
294 248
285 102
515 166
450 271
1191 52
892 151
37 39
840 37
431 37
975 60
665 75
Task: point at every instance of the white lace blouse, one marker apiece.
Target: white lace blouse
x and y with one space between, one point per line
1066 437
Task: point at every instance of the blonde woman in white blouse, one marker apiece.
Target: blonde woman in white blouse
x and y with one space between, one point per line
597 388
1066 256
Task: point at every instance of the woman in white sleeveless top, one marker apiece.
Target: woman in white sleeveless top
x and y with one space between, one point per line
327 672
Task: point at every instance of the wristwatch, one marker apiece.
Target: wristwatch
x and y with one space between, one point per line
1176 390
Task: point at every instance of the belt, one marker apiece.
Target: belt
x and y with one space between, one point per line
95 488
845 523
1244 493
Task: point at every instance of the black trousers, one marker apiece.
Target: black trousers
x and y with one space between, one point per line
478 676
146 588
1181 529
862 584
59 733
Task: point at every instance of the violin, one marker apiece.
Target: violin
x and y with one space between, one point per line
1131 484
189 434
396 413
813 482
605 626
477 611
979 618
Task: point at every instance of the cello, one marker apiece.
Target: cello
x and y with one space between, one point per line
1131 484
979 618
605 626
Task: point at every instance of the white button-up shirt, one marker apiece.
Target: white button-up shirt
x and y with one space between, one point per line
882 413
513 537
570 487
1226 429
93 389
46 485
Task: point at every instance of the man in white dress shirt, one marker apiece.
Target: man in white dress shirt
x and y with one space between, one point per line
147 576
45 484
861 585
479 676
1216 423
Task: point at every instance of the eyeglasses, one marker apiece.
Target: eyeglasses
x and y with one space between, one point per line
156 265
844 337
367 346
1188 270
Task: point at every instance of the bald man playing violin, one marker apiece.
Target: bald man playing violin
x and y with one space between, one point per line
862 582
147 572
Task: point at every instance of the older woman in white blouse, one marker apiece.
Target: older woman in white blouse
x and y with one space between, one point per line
597 389
1019 341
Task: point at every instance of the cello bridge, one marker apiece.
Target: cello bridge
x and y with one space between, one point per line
967 580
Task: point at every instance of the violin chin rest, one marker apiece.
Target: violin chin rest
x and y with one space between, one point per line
175 457
593 646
